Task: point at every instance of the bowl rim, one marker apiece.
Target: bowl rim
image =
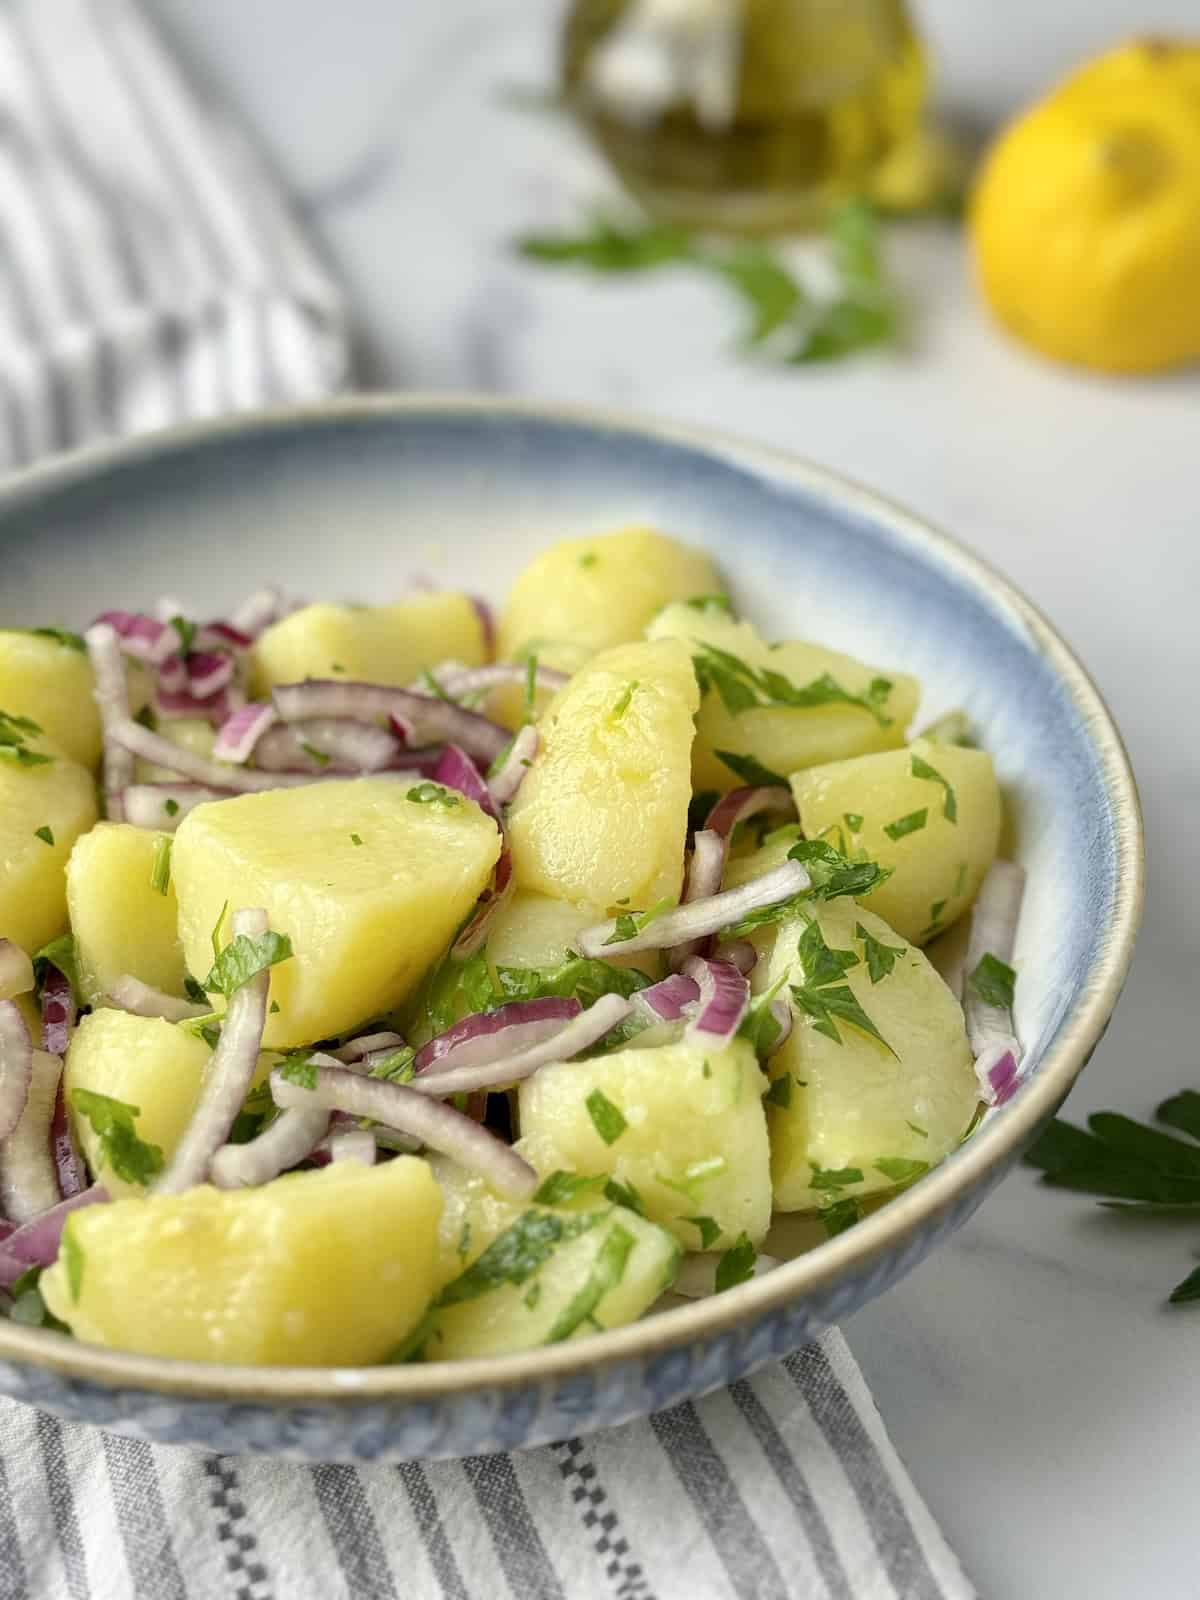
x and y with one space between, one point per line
884 1231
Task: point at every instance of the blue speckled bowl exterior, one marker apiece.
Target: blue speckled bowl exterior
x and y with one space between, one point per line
354 498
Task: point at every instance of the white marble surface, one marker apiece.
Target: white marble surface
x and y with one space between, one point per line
1045 1400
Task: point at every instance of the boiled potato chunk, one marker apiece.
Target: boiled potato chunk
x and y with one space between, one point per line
782 738
601 815
143 1062
534 931
375 644
366 920
938 834
61 798
600 591
849 1104
584 1266
121 922
683 1124
325 1268
50 681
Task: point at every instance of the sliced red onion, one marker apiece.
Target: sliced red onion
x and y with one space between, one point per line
68 1163
998 1071
290 1139
487 623
36 1242
667 1001
697 1275
506 780
208 671
356 1144
241 780
400 1107
239 733
173 676
16 970
739 953
131 994
258 611
16 1066
494 1035
345 745
142 637
222 636
724 1000
230 1072
419 717
456 770
164 805
701 917
368 1044
705 871
217 708
28 1180
587 1029
456 680
112 701
740 804
475 933
58 1011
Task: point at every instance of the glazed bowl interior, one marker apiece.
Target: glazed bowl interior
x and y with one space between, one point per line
353 500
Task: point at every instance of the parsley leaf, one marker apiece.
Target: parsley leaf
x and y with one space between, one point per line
434 794
398 1067
624 1194
922 769
994 981
742 687
63 636
630 923
301 1070
780 1092
14 741
750 770
59 953
588 559
834 873
578 978
319 756
171 806
243 958
160 869
912 823
833 1178
842 1214
607 1272
853 820
517 1253
112 1121
719 603
736 1265
901 1170
355 839
609 246
624 702
607 1119
186 631
822 995
193 990
709 1230
561 1187
771 293
45 833
881 958
759 1025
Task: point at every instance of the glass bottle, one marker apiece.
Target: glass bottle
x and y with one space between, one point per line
744 115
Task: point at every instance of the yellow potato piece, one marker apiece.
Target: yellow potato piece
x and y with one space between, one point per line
51 683
693 1141
784 739
937 864
60 796
597 592
532 930
325 1268
850 1104
601 815
121 922
189 733
375 644
366 920
143 1062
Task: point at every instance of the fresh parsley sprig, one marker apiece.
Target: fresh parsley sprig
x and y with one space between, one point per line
743 687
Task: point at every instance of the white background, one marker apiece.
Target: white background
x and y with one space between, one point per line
1047 1403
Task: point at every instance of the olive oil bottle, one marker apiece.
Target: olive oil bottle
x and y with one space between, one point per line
745 115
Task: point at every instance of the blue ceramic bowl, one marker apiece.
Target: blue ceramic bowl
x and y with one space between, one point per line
353 498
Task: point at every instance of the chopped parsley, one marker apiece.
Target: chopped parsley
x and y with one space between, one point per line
243 958
853 820
624 1194
935 919
750 770
711 602
434 794
630 923
578 978
625 701
743 687
355 839
912 823
193 990
764 916
59 953
607 1272
960 878
994 981
780 1092
834 873
842 1214
73 1256
921 1133
171 807
45 833
300 1069
901 1170
160 868
145 718
321 757
336 666
14 741
922 769
823 996
827 1178
399 1066
881 958
186 631
709 1230
588 559
697 1173
516 1254
607 1119
562 1187
736 1265
532 1295
131 1158
760 1025
63 636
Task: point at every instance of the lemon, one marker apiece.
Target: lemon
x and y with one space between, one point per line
1086 218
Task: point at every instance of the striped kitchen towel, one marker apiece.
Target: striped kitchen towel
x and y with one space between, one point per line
150 272
784 1487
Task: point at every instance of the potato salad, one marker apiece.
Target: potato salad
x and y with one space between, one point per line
404 982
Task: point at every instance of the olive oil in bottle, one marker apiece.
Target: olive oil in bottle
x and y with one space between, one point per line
744 115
